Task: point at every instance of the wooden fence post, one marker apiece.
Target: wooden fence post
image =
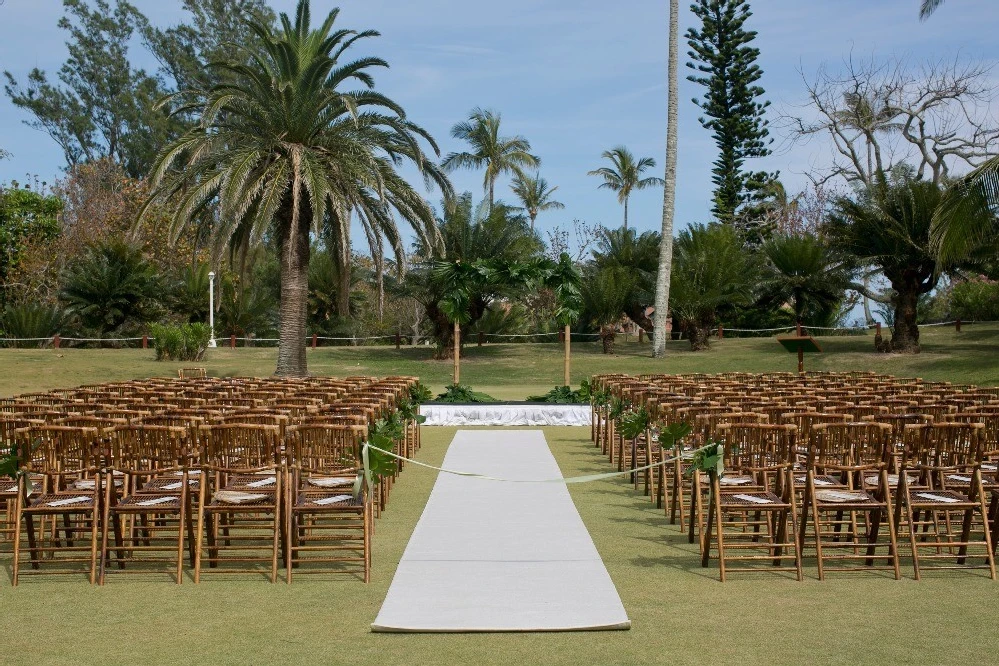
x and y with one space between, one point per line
482 338
232 341
721 332
398 340
957 325
145 342
314 338
56 340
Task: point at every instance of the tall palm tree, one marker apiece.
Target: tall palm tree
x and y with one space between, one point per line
665 273
928 7
637 255
624 176
497 154
283 150
535 195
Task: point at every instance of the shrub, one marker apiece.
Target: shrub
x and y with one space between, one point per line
32 320
458 393
564 395
186 342
975 300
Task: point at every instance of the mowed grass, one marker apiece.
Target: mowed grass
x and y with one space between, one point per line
514 371
680 613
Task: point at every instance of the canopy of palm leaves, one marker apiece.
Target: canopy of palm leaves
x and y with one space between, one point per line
535 196
888 227
966 224
624 176
711 273
496 154
637 254
803 271
283 148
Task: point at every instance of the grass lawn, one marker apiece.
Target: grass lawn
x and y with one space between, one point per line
513 371
681 614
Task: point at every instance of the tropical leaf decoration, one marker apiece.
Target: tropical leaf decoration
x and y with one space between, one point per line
600 397
633 423
671 435
460 393
709 459
420 393
617 408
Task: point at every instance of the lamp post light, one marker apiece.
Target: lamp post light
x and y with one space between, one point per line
211 307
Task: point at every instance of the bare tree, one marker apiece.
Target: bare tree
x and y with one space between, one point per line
586 235
881 113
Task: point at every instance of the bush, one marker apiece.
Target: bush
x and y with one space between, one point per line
32 320
186 342
459 393
975 300
564 395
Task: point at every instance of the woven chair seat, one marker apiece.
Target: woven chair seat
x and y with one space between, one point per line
145 502
236 498
763 500
843 498
943 499
166 485
44 502
821 481
329 500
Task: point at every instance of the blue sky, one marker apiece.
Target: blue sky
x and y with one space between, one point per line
575 78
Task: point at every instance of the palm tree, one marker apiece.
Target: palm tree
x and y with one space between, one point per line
497 154
928 7
535 195
625 176
712 272
283 150
665 272
803 271
638 255
605 292
965 224
888 227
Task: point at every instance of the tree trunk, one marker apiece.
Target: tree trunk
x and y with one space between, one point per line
607 335
665 273
905 334
698 335
294 248
626 213
492 187
343 292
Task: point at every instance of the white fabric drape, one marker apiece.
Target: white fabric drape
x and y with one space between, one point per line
506 415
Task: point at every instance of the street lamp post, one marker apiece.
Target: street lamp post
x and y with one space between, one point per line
211 307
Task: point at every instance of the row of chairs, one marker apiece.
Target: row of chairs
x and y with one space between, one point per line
239 488
839 473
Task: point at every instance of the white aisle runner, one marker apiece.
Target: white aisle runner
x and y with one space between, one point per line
495 556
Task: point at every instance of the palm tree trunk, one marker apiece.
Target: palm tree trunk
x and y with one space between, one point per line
492 187
905 332
607 335
626 213
294 294
669 191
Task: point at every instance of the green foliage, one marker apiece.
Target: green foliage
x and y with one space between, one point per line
420 393
102 105
245 309
382 436
32 320
534 194
112 288
727 69
805 272
565 395
631 261
25 216
671 435
489 151
709 459
186 342
459 393
601 397
712 273
624 176
190 297
633 423
976 299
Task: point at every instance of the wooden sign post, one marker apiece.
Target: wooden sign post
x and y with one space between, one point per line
800 343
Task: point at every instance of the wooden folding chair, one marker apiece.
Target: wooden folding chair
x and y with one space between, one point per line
328 529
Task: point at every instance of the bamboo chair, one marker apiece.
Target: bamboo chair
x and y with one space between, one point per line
239 507
847 518
756 521
192 373
153 514
940 519
328 529
69 516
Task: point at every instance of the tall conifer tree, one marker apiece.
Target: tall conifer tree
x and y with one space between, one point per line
722 54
